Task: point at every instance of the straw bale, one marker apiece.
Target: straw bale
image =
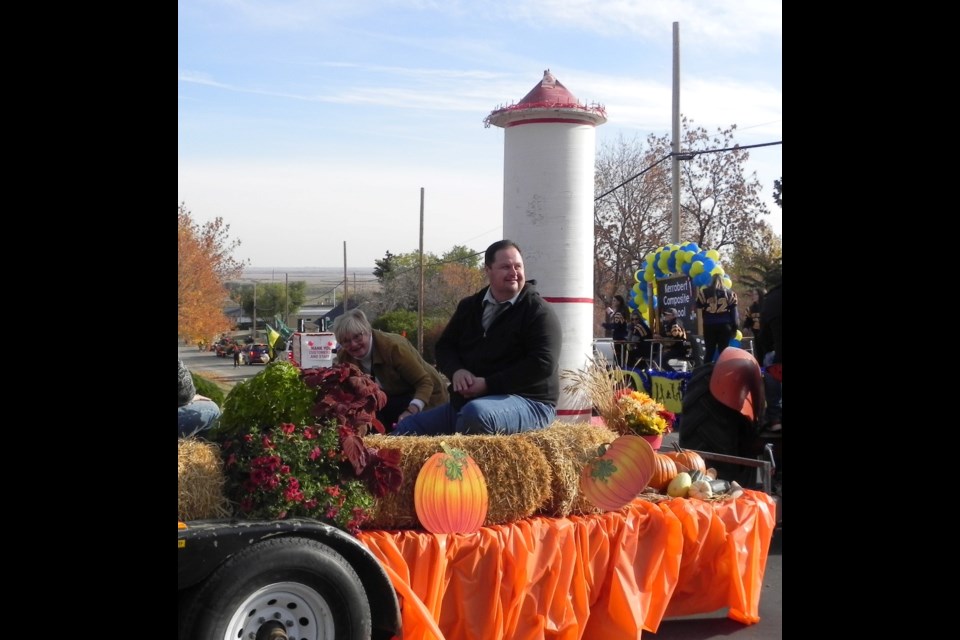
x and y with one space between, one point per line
200 480
568 447
516 472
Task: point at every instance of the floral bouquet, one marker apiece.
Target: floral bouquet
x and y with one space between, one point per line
642 415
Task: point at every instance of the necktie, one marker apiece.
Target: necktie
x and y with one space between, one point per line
491 310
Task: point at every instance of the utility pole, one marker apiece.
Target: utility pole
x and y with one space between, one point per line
253 326
286 299
420 305
345 298
675 160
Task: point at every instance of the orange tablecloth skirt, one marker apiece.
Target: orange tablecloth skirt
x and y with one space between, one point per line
605 576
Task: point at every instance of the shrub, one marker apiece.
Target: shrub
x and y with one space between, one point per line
209 389
276 395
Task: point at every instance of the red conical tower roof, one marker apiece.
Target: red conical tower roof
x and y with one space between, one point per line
549 101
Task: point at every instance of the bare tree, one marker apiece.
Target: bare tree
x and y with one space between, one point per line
719 203
720 206
633 219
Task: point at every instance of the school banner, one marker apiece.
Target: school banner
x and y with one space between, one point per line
677 292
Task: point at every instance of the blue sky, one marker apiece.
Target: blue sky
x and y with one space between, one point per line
309 124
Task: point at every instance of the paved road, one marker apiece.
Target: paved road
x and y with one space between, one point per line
208 365
711 626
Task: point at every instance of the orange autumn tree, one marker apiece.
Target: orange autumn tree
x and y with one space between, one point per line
204 264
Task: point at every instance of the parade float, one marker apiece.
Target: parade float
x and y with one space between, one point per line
574 531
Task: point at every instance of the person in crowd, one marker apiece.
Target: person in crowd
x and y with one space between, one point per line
638 336
236 355
751 321
769 348
718 311
411 384
501 351
608 318
195 413
617 325
671 327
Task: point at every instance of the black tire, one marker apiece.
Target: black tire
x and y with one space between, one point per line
708 425
298 585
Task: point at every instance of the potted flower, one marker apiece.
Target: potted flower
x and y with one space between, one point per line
642 415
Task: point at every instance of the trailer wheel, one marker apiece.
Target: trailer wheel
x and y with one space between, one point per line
279 589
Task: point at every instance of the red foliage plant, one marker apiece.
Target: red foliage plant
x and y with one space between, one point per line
351 398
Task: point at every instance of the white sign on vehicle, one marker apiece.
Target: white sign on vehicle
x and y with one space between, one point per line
311 350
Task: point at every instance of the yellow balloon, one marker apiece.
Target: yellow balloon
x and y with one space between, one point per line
637 275
636 289
716 271
713 254
739 335
696 268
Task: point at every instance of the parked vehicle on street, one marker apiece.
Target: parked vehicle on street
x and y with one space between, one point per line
223 348
255 354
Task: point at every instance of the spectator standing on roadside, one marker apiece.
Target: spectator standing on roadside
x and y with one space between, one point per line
501 351
410 383
718 312
236 355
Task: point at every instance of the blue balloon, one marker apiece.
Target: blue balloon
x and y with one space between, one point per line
672 262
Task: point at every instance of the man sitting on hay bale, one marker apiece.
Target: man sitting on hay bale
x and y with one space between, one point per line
501 351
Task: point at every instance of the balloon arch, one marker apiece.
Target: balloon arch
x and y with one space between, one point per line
672 260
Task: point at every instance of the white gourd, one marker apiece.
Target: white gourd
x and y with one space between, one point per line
700 489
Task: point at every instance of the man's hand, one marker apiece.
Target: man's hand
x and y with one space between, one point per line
468 385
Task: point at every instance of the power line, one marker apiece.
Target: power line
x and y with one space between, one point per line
685 155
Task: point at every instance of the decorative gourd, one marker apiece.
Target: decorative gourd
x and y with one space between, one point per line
619 472
687 460
450 495
664 470
700 489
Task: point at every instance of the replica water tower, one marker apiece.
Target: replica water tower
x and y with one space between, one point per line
548 178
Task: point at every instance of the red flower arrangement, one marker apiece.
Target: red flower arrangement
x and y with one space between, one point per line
322 470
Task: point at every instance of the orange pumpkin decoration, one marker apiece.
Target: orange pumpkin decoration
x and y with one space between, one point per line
687 460
664 470
450 495
619 472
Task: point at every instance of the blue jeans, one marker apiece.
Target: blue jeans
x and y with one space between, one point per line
196 417
488 415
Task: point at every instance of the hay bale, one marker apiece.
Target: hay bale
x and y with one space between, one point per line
568 447
200 480
515 469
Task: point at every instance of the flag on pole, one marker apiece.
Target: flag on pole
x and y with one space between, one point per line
272 337
285 331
